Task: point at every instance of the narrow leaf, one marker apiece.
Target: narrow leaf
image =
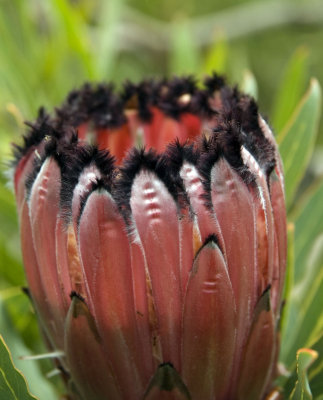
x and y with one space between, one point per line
184 55
316 373
297 140
249 84
291 88
12 382
289 279
302 391
217 55
305 308
308 225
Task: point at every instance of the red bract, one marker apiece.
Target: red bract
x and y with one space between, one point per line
153 233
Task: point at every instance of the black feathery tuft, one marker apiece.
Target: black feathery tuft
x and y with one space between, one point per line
76 160
98 104
137 160
177 96
55 143
38 130
100 183
177 153
253 137
224 142
141 97
214 83
244 111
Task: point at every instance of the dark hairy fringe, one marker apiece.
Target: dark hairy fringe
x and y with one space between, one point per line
55 147
72 157
236 124
177 153
225 142
97 103
170 97
136 161
38 130
141 97
244 111
103 183
106 109
77 160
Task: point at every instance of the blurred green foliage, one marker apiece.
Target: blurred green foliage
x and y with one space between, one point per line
270 47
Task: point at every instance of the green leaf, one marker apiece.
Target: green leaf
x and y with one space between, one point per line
12 383
107 45
297 140
289 279
184 54
249 84
39 385
291 89
302 314
308 225
302 391
71 22
217 55
305 308
316 373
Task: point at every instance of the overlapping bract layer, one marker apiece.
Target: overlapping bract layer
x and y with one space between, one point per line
158 271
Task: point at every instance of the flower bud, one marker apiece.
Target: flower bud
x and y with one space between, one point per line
153 233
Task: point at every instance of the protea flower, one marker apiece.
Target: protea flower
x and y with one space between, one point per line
154 241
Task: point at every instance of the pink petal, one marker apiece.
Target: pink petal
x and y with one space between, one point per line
90 369
234 208
265 225
62 258
23 170
87 178
104 250
145 309
118 141
44 211
256 367
190 242
209 326
156 219
192 125
279 211
33 272
206 220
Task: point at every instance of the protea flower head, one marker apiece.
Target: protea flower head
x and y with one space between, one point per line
153 234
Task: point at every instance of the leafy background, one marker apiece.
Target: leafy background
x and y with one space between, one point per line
271 48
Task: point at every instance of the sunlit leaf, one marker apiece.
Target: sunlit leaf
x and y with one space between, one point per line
289 279
38 384
249 84
107 45
12 383
305 306
316 373
302 391
308 225
290 91
184 54
297 141
217 55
